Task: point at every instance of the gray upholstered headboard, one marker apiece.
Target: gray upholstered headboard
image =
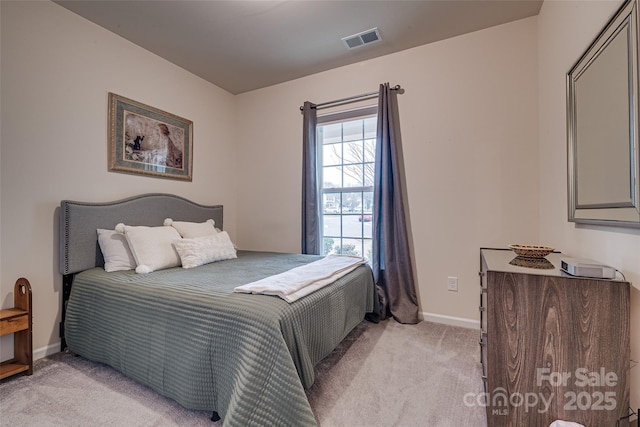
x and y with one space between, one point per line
79 221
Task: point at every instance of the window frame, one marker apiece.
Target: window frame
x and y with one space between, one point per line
333 118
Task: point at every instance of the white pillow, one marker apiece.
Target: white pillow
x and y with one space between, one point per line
151 246
115 251
189 230
205 249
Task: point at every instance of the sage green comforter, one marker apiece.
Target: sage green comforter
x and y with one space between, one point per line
187 335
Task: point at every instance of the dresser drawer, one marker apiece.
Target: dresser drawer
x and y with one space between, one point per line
14 324
483 354
483 310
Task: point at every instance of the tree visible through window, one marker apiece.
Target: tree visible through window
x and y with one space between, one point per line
347 163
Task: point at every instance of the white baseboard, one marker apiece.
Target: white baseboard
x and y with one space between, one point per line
41 352
450 320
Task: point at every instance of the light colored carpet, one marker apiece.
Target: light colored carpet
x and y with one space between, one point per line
384 374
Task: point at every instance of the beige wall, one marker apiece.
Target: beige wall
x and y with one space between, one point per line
565 30
57 69
469 130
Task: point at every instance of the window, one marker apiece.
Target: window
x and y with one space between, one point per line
347 158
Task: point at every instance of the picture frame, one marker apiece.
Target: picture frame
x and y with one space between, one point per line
147 141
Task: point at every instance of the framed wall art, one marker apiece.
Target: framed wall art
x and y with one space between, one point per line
148 141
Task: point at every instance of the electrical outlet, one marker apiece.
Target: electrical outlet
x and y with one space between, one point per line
452 284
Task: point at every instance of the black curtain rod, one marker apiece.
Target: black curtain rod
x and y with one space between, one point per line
349 99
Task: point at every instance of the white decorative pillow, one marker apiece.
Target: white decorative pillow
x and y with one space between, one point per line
205 249
115 251
152 247
189 230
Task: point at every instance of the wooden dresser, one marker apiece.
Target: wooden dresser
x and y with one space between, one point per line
553 346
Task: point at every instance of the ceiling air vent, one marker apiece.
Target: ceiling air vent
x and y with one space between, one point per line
360 39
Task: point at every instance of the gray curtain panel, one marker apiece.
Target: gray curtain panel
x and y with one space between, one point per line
392 267
311 197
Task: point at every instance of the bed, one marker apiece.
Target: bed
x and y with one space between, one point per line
186 334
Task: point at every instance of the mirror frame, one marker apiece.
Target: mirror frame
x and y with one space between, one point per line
615 214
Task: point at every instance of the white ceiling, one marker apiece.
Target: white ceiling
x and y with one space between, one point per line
244 45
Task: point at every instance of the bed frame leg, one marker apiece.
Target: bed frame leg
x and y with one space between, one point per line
67 281
215 417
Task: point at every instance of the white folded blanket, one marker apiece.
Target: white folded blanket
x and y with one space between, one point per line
562 423
300 281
